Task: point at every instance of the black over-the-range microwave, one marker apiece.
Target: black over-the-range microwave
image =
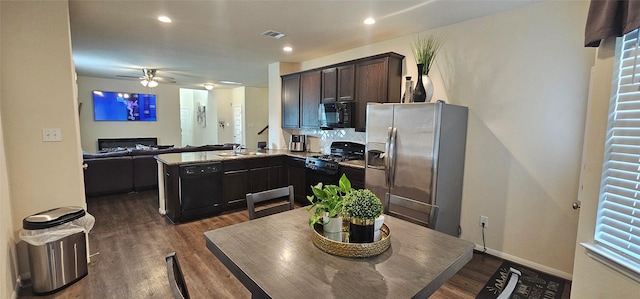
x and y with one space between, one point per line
336 115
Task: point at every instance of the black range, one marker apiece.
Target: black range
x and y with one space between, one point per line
326 168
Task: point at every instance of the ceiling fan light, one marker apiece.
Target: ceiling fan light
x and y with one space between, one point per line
152 84
164 19
144 82
230 82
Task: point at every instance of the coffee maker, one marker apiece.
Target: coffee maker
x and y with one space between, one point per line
298 143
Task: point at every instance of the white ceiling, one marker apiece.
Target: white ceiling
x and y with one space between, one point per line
212 41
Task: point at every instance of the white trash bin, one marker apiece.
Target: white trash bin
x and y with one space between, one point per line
57 247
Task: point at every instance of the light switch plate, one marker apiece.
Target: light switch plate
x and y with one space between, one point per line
51 135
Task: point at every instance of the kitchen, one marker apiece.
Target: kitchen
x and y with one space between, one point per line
498 151
443 131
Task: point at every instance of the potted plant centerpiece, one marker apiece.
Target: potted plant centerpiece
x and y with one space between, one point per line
328 201
362 207
425 48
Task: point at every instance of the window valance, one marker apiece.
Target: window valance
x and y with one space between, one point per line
610 18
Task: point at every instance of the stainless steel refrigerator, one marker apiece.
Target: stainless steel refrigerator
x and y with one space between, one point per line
415 159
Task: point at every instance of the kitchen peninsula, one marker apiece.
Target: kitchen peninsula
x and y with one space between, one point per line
203 184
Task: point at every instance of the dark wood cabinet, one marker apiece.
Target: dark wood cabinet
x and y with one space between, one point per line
236 184
291 101
377 80
355 176
249 176
300 100
329 85
171 189
338 83
314 177
309 99
296 176
242 176
346 82
278 175
260 178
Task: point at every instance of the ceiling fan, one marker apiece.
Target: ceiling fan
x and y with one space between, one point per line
150 79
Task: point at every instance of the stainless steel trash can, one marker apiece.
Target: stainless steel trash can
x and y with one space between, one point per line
56 264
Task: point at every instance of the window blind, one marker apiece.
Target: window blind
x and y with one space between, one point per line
618 223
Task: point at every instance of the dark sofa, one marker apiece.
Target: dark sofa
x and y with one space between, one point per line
129 170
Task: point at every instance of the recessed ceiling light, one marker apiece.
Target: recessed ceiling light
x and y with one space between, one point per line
164 19
287 49
369 21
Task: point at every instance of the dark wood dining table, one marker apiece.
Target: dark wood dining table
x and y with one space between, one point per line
274 257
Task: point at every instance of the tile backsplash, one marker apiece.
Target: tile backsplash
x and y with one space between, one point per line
320 140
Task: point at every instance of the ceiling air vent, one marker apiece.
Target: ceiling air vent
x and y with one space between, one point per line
274 34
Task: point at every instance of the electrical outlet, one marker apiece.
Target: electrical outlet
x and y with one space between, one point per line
484 221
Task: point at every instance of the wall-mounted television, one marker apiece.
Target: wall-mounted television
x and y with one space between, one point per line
123 106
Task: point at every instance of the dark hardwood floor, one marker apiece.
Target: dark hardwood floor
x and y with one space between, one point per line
130 240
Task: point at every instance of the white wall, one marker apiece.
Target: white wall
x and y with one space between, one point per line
254 104
224 101
256 115
525 83
36 47
8 261
187 126
592 279
238 99
524 76
166 128
7 241
277 136
205 132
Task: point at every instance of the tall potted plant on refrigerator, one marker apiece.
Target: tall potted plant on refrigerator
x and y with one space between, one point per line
425 48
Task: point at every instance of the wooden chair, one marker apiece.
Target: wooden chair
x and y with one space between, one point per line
412 210
254 198
176 280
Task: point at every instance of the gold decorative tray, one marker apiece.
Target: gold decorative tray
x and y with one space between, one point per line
328 242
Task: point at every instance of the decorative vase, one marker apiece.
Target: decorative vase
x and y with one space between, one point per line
419 93
338 237
332 224
361 231
428 86
377 235
407 97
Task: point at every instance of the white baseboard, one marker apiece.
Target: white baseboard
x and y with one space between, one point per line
17 285
24 277
16 289
528 263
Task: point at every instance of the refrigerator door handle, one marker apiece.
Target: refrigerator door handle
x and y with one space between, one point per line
392 157
387 158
